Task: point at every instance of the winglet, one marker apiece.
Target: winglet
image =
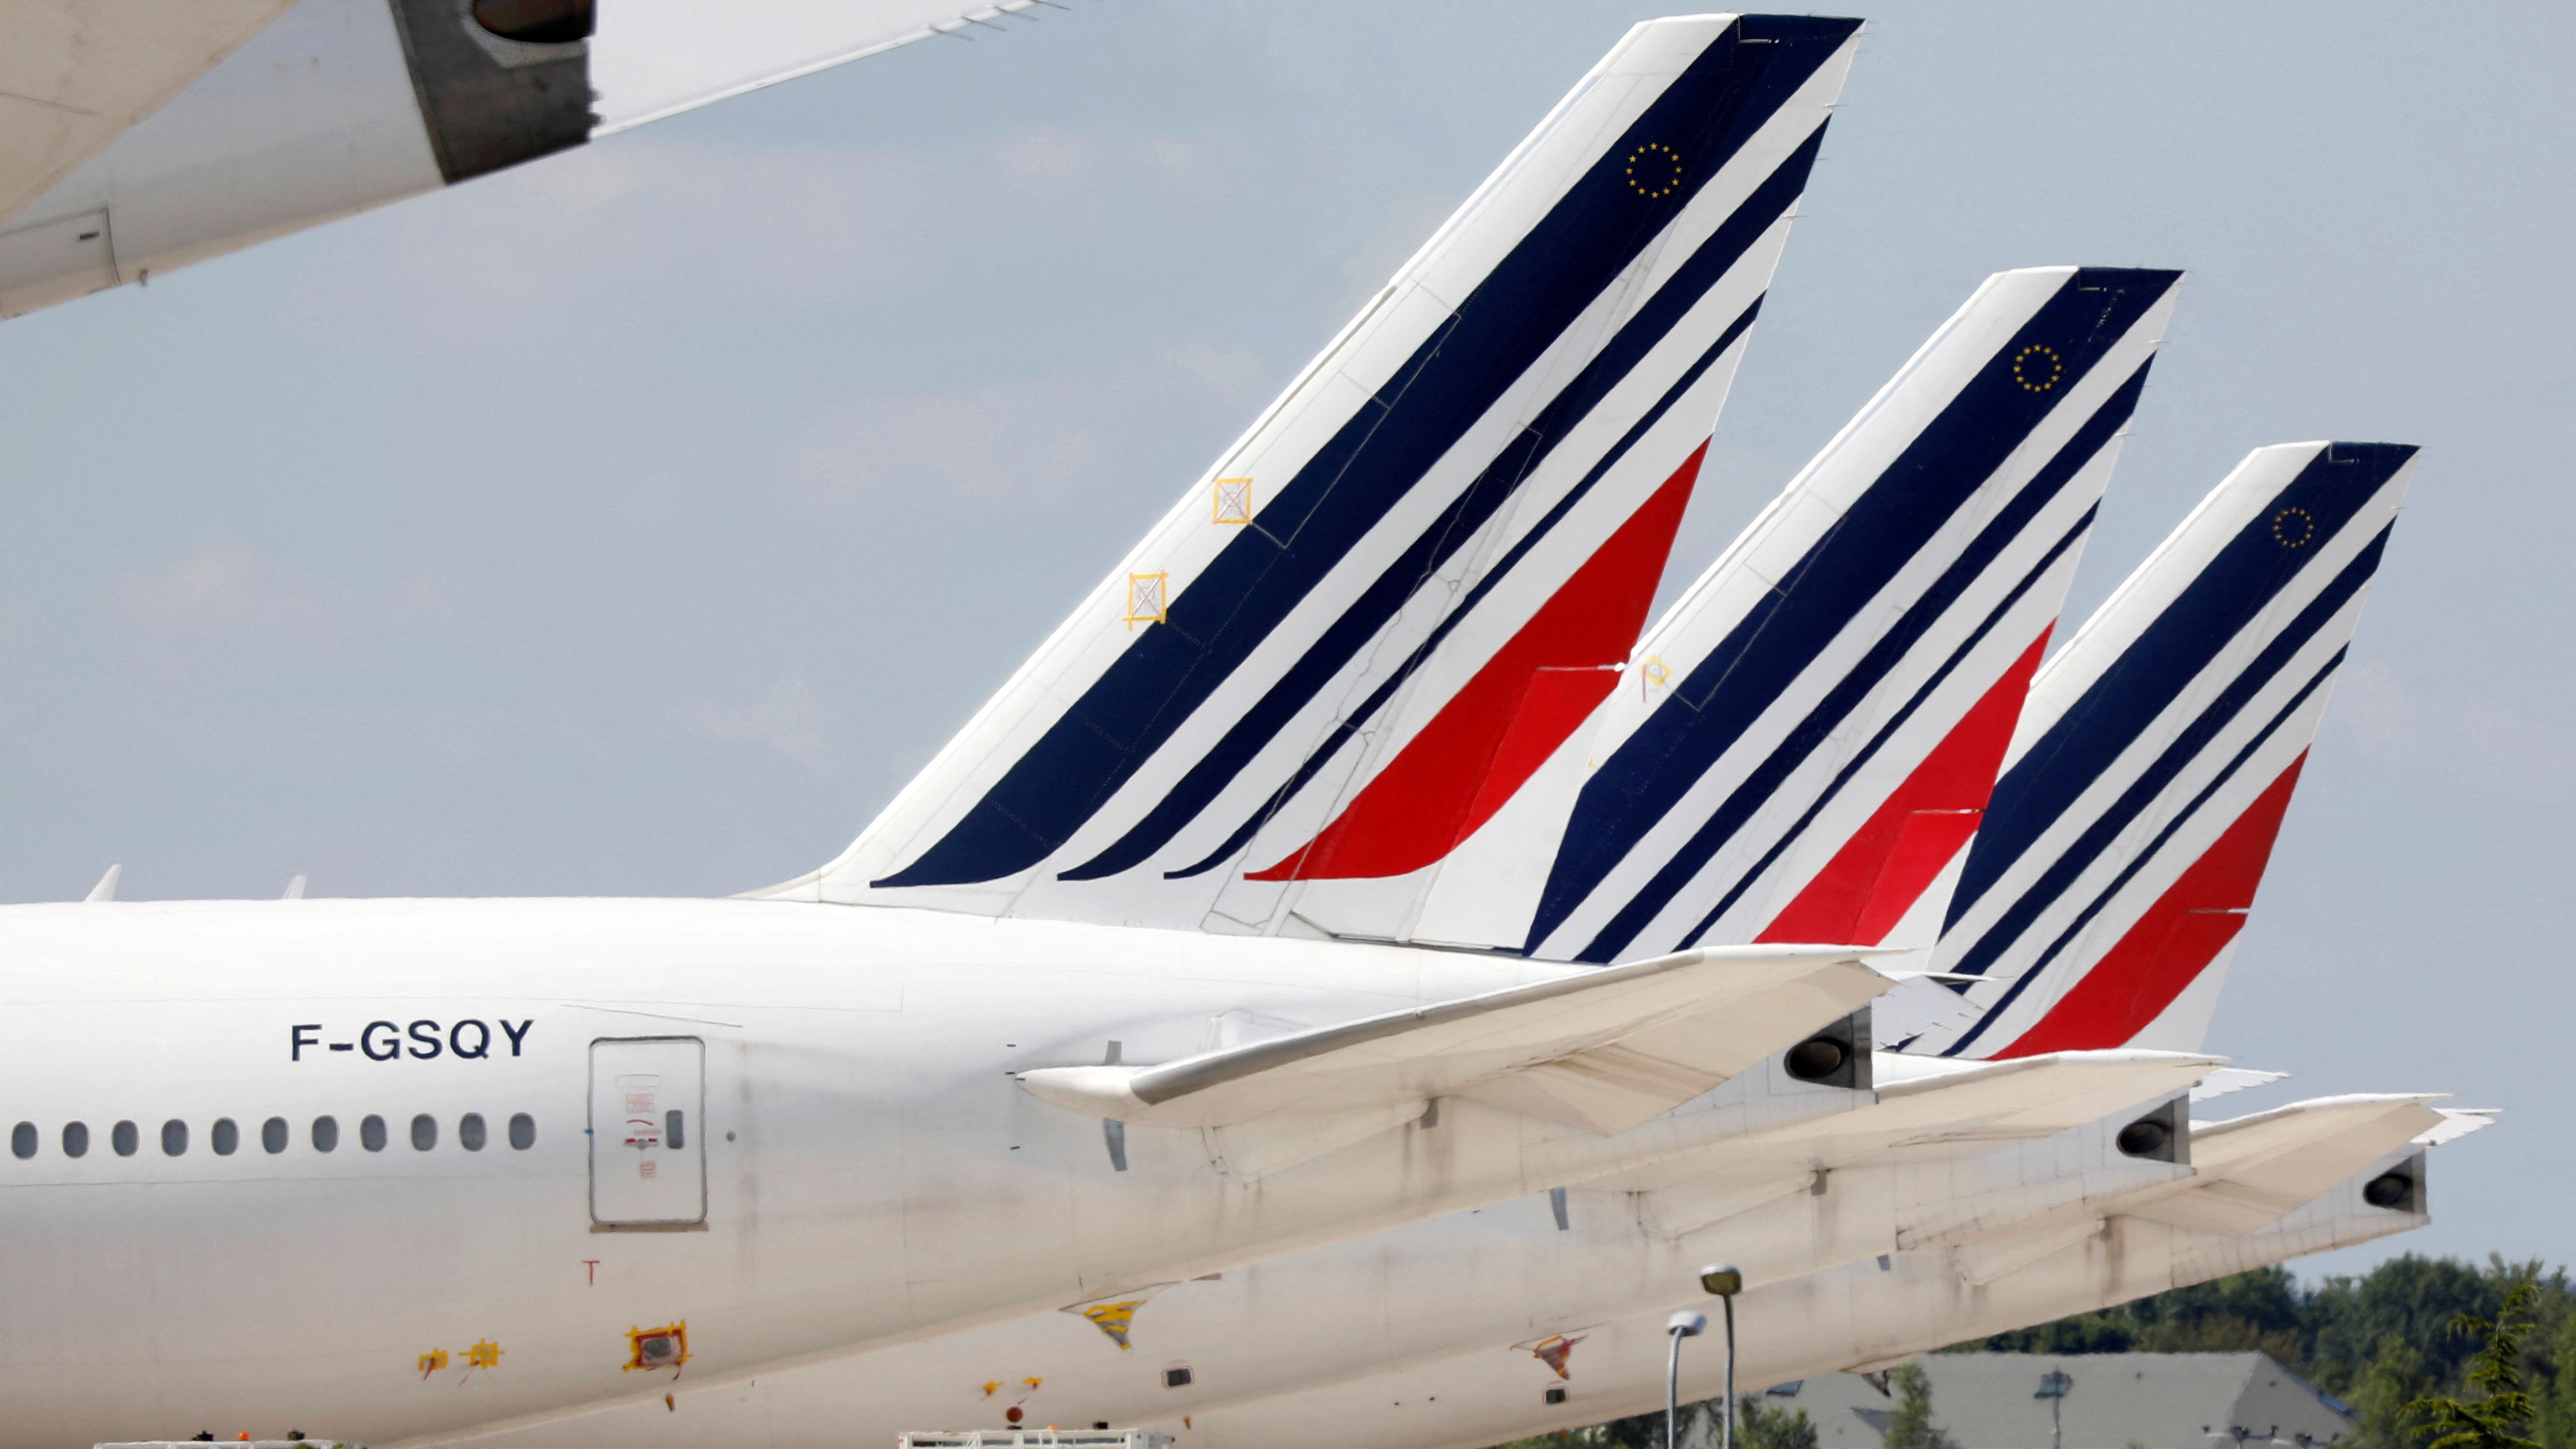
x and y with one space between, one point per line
2233 1079
105 890
2456 1123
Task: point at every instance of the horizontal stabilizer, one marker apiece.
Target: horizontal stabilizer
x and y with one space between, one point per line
2062 1091
86 70
1929 1108
1984 1262
1923 1002
2254 1171
1603 1050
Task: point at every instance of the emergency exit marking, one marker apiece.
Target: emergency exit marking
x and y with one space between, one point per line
645 1170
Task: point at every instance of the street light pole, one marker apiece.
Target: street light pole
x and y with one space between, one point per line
1725 1280
2052 1387
1727 1423
1684 1324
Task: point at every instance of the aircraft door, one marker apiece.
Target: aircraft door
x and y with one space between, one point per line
648 1164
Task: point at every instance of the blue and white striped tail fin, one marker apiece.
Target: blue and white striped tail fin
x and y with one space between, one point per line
2139 802
1800 748
1405 535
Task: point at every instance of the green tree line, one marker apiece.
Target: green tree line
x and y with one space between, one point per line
2393 1344
2379 1341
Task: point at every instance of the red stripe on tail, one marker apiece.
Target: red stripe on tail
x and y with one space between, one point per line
1494 734
2173 942
1895 856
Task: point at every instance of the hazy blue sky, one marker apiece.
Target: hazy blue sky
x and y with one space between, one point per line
635 522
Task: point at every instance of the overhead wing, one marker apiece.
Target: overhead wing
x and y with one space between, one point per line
74 74
2056 1093
656 58
2253 1171
140 136
2246 1174
1925 1110
1599 1050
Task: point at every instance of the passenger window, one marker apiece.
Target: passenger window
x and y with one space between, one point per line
75 1139
272 1135
371 1133
469 1131
124 1138
226 1138
424 1132
674 1130
22 1139
523 1132
174 1138
326 1133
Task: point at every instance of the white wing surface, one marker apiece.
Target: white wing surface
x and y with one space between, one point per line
75 74
1600 1050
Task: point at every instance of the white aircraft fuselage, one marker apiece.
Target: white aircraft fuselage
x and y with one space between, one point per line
851 1162
1504 1274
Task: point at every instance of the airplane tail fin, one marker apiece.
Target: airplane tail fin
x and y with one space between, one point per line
1477 480
2102 898
1799 750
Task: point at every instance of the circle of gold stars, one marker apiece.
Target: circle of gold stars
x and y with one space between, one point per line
2293 526
1654 156
2038 367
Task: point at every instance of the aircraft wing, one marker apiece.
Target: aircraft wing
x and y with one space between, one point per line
140 136
2253 1171
1599 1050
2022 1097
2246 1174
75 74
656 58
1925 1110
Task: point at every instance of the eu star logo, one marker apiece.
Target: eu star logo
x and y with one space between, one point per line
2038 367
1654 170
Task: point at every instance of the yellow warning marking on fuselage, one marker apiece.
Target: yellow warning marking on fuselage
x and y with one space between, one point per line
666 1347
1147 599
1114 1319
